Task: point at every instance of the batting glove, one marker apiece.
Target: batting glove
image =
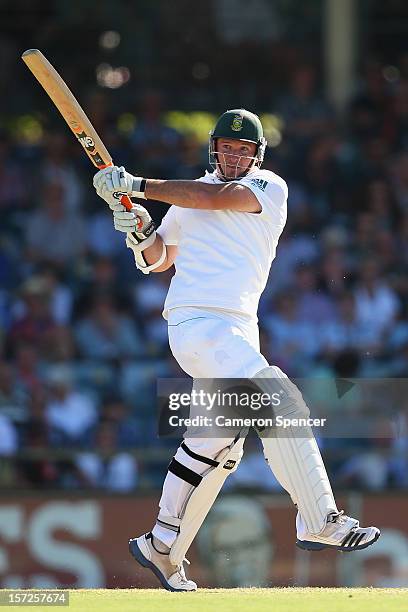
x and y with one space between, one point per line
116 180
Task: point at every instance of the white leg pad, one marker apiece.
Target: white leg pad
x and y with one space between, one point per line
202 497
293 454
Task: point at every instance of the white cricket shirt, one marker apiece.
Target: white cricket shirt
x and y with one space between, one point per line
224 256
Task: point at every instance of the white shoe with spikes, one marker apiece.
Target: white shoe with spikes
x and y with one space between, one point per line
172 577
341 532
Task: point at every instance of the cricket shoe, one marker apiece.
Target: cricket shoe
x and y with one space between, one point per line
172 577
341 533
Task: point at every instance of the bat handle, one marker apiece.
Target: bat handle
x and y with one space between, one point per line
127 202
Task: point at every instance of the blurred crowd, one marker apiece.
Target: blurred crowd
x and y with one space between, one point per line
82 338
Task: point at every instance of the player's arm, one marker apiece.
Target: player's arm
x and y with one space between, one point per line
185 194
205 196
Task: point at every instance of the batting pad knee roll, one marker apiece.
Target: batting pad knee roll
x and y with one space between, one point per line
273 381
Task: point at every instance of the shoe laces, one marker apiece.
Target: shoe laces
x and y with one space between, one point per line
338 517
181 571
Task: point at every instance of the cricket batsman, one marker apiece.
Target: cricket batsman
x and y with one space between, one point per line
221 233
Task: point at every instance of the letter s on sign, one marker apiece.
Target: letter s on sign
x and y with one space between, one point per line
83 519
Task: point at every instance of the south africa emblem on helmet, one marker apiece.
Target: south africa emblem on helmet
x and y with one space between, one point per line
236 124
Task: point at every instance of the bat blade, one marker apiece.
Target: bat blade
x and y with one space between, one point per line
70 109
68 106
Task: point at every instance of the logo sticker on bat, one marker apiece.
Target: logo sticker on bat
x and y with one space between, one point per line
88 144
86 141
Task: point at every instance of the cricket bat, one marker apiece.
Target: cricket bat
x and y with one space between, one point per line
71 110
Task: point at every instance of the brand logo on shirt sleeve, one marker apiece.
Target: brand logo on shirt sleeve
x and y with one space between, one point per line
260 183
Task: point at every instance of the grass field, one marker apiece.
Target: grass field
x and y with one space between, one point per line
234 600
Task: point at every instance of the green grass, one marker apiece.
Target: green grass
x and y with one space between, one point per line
234 600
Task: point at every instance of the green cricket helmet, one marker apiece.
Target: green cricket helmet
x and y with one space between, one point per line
238 124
